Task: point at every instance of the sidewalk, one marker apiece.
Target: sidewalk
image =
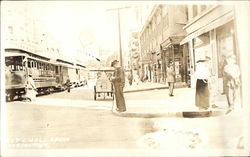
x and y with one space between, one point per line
148 86
181 105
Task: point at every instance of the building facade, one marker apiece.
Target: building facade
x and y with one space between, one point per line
134 52
160 43
210 32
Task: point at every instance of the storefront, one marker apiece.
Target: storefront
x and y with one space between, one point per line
172 51
211 35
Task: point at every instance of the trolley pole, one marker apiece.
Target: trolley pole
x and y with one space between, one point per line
119 30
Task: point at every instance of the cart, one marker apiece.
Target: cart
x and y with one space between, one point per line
103 87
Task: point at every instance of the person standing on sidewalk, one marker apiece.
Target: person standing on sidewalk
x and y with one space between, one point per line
170 78
118 80
130 78
202 91
232 79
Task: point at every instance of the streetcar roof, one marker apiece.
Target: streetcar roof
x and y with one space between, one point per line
13 54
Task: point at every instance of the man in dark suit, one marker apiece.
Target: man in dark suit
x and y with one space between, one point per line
118 80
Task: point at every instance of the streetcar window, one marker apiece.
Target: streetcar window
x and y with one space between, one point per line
56 69
35 64
28 64
32 64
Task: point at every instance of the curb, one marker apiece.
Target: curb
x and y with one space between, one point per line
181 114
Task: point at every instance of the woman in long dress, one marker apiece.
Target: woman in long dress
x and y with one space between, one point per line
202 90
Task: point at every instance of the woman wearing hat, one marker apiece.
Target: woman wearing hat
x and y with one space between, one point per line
118 80
202 91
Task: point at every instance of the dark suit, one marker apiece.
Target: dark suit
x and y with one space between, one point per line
119 83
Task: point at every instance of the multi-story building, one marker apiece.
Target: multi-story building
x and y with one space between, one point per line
22 30
210 32
134 52
159 40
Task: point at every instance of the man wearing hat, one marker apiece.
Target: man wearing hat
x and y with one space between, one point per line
118 80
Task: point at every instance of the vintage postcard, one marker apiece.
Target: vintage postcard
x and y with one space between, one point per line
125 78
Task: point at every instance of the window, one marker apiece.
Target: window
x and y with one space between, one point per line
195 10
203 7
164 10
29 65
158 19
56 69
153 25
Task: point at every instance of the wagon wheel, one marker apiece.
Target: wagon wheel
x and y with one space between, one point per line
94 92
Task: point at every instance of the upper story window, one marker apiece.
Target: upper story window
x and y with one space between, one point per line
195 10
149 28
203 7
153 25
158 19
164 10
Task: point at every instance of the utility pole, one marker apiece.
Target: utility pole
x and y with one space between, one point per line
119 30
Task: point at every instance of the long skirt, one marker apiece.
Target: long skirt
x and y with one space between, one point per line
119 97
202 94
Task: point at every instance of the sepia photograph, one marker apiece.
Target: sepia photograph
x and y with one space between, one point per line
125 78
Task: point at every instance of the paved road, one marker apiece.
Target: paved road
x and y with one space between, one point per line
55 126
66 120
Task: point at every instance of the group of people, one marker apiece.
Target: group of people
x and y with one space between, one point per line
118 80
231 75
204 83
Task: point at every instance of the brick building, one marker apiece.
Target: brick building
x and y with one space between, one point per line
159 39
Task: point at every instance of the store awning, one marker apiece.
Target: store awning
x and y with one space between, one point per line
216 23
171 40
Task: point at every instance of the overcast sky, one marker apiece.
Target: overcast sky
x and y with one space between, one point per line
65 20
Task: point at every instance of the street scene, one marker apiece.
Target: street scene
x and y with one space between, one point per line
83 78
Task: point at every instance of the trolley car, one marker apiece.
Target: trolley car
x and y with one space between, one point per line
49 75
